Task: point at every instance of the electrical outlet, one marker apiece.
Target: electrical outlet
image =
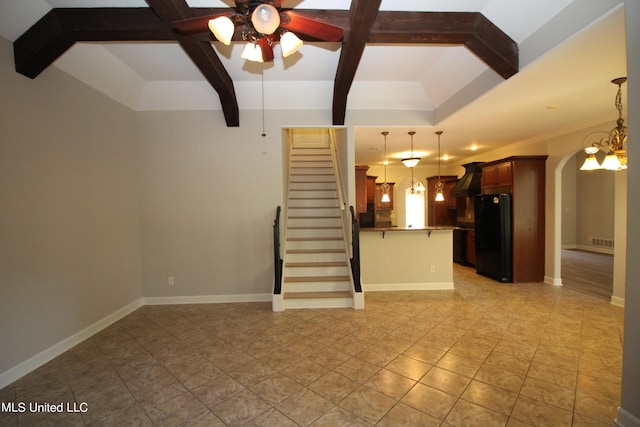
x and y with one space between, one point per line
433 268
171 281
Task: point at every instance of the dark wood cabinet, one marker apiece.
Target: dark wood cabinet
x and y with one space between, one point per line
524 178
470 247
497 178
361 188
441 213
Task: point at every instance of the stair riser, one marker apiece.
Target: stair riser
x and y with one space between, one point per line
316 244
323 213
310 151
304 193
312 171
316 271
317 257
311 158
312 179
309 163
313 203
313 222
315 233
311 188
318 287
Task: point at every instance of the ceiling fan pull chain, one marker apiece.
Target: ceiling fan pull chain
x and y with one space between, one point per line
262 84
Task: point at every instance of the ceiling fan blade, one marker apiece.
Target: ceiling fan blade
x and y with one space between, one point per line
310 27
195 25
267 49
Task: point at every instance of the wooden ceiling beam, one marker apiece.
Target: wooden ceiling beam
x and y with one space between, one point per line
59 29
362 17
471 29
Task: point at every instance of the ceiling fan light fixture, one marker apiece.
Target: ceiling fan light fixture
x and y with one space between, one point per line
222 28
265 19
252 52
290 43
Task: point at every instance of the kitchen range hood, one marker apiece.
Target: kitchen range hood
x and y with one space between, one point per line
469 184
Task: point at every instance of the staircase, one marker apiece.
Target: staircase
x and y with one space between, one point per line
316 269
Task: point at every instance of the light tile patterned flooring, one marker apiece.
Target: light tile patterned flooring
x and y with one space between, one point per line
486 354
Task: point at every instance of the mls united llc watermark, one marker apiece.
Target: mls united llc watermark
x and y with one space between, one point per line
33 407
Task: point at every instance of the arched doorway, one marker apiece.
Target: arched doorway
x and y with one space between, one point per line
588 232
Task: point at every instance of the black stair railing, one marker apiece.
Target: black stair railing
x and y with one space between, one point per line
355 243
277 259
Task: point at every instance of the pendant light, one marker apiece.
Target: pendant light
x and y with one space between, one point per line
439 184
411 161
385 187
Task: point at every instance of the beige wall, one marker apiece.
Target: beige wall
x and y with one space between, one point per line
69 222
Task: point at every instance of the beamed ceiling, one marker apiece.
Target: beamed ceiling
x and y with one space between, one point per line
60 29
487 72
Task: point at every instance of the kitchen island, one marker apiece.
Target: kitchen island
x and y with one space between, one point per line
401 259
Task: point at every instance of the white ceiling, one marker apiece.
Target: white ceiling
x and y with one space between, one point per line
570 50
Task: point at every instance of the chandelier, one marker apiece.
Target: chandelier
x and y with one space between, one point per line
615 141
259 26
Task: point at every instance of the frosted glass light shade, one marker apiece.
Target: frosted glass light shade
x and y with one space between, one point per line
290 43
252 52
385 198
222 27
439 197
590 163
265 19
411 162
611 162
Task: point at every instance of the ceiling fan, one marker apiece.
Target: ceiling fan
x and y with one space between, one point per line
261 23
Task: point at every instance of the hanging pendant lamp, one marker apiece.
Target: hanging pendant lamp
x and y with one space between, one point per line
411 161
385 186
439 185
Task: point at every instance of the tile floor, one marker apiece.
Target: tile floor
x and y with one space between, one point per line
486 354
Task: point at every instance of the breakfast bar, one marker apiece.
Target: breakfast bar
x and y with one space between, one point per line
402 259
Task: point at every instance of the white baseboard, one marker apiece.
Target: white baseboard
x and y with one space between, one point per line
555 281
626 419
57 349
617 301
588 248
206 299
382 287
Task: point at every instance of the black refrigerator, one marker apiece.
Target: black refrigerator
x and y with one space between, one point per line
493 236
